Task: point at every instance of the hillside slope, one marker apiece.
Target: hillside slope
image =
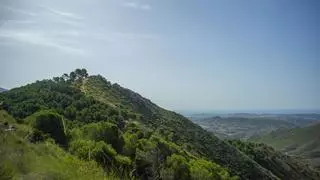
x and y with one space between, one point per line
281 165
304 142
111 134
176 128
127 133
21 159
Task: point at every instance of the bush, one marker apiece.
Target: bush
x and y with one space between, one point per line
123 160
202 169
103 153
37 136
81 148
6 171
130 140
179 166
99 151
50 123
104 131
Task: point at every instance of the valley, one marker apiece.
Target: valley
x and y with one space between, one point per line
246 125
302 142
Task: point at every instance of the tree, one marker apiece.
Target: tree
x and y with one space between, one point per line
56 79
84 73
81 73
78 74
73 76
65 76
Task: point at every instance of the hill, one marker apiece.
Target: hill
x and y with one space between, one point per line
281 165
241 127
93 119
303 142
2 90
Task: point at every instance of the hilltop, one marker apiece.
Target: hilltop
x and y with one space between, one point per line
303 142
93 119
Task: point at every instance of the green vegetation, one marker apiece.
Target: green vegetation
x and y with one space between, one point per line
49 123
174 128
21 159
283 166
104 126
302 142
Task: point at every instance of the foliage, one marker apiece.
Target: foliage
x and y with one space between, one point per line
179 166
104 131
202 170
37 136
65 98
6 171
125 134
87 150
45 160
50 123
174 128
283 166
303 142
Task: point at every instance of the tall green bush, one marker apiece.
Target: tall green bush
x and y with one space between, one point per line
50 123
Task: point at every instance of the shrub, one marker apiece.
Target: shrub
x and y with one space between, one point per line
6 171
99 151
123 160
104 131
37 136
179 166
50 123
202 169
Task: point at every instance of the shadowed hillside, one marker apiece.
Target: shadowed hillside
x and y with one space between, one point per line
303 142
281 165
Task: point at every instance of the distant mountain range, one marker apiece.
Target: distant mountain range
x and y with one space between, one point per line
2 89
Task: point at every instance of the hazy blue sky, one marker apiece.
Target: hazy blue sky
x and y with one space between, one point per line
187 54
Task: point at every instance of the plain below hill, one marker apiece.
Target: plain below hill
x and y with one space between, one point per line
302 142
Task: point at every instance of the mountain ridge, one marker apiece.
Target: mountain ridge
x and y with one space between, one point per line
152 111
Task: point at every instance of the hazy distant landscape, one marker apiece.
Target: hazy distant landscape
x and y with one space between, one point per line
294 134
2 89
248 125
303 142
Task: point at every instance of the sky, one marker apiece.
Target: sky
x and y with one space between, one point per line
198 55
